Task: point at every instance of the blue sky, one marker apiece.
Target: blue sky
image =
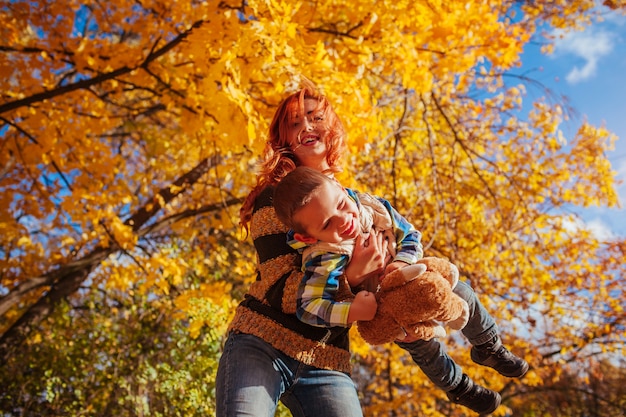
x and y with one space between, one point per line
590 69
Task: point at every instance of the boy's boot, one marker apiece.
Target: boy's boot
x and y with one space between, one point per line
471 395
494 355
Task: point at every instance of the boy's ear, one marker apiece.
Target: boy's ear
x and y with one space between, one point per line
304 238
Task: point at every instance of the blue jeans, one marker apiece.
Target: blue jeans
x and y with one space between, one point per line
431 355
252 377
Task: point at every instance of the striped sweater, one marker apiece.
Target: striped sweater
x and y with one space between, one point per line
268 310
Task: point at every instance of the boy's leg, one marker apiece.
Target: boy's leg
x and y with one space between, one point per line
482 332
480 327
434 361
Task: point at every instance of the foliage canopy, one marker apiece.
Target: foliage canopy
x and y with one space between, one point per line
129 134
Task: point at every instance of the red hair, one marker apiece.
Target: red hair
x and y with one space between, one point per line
278 158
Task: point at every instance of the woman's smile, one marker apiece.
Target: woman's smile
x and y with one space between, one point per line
309 139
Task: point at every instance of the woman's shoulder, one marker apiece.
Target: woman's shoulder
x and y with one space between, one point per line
264 223
265 198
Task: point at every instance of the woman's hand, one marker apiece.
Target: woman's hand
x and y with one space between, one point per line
405 337
368 258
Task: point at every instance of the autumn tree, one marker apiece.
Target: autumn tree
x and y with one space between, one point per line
115 353
589 387
130 132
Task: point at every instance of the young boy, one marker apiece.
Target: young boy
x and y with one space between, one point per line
325 220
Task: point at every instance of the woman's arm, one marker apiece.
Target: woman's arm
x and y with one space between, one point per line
368 259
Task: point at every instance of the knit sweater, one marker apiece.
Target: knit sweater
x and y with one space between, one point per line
268 310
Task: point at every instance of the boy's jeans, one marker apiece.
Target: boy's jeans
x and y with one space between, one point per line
431 355
253 376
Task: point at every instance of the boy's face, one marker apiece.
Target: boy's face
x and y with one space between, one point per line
330 216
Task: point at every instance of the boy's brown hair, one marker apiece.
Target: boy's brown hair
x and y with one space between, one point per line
294 191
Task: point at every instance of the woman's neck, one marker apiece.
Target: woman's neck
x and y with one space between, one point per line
322 166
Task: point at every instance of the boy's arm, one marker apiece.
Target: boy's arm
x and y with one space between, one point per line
409 247
318 289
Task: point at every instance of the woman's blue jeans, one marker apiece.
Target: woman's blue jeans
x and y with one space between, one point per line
431 355
252 377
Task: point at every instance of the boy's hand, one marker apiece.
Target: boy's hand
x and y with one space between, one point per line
363 307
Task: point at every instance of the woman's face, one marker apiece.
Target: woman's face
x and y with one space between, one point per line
306 134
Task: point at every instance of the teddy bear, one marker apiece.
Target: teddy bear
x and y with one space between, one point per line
414 300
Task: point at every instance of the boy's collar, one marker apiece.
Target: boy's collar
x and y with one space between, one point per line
295 243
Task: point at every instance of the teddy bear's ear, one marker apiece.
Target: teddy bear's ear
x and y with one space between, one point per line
449 271
411 272
401 276
454 275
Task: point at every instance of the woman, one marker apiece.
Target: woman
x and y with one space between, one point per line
269 354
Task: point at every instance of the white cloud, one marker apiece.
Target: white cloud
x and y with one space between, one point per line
596 226
600 230
590 45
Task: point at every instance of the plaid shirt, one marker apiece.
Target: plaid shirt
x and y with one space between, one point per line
322 271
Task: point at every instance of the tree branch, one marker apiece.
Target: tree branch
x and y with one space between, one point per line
67 278
85 84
